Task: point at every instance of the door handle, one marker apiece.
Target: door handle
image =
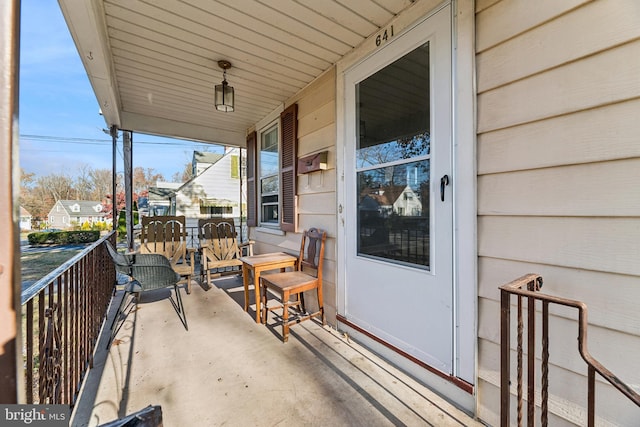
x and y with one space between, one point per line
444 181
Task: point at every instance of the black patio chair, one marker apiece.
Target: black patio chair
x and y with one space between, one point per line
151 416
146 272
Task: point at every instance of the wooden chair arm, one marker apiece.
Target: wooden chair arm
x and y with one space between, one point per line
191 252
249 245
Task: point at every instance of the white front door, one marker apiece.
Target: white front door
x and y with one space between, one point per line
398 270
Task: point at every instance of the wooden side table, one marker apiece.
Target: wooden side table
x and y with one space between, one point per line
257 264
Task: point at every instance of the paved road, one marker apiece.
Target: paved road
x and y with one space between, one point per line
25 248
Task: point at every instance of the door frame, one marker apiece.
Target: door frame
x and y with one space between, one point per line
425 292
460 386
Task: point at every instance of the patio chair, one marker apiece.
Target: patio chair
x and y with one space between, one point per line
308 276
147 272
167 235
151 416
219 248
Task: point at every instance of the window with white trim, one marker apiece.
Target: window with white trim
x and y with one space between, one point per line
271 173
268 176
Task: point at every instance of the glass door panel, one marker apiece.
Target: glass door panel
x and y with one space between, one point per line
393 161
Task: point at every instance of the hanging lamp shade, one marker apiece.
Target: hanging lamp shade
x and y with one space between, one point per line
224 95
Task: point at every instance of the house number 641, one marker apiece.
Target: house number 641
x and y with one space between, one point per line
384 36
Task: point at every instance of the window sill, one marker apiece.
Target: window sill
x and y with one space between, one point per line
268 230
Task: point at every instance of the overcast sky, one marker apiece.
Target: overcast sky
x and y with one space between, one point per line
59 121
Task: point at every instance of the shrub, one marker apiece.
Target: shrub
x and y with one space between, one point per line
63 237
100 226
122 223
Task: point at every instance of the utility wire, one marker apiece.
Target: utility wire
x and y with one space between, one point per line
91 141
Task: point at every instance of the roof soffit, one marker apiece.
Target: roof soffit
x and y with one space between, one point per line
86 23
153 64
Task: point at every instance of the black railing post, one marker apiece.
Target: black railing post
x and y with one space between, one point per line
66 308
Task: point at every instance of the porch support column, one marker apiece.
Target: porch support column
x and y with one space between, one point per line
127 141
114 175
10 334
242 239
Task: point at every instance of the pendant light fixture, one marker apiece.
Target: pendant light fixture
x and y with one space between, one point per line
224 97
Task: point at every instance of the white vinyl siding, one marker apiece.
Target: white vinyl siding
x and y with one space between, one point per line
316 191
216 182
558 171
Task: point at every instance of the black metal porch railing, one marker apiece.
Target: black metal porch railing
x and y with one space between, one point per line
192 231
527 288
62 316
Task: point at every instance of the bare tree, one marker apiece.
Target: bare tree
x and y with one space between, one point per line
185 175
83 183
60 186
145 178
38 205
101 180
26 179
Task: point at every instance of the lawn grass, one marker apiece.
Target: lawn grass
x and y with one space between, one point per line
36 265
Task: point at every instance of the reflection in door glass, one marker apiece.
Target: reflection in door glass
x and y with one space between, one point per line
393 213
393 161
401 148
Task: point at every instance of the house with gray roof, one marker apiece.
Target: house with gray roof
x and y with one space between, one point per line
67 213
202 160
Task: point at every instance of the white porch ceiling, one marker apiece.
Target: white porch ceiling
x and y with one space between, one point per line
153 63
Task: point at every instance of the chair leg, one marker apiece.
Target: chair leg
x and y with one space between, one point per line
263 301
113 322
119 312
180 309
321 306
301 299
285 316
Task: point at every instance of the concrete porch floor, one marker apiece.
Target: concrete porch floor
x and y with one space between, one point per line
228 370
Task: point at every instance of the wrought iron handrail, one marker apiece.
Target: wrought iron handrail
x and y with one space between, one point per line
62 316
528 287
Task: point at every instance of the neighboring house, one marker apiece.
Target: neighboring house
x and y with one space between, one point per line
69 213
202 160
143 206
215 190
522 117
159 202
387 200
25 219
